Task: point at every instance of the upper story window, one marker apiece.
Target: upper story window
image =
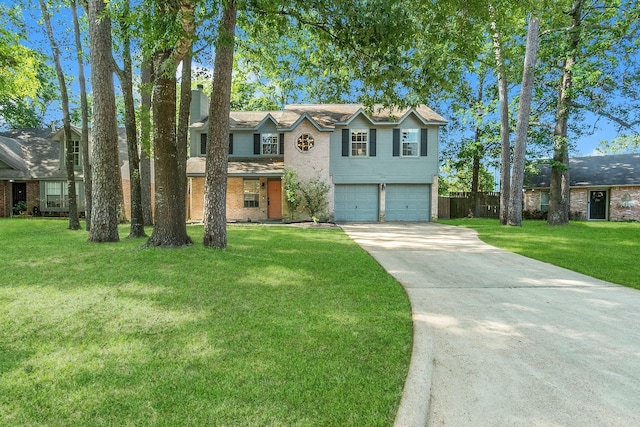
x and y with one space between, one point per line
76 153
359 142
305 143
203 144
410 140
269 143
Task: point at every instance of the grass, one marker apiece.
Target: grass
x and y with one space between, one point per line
605 250
287 327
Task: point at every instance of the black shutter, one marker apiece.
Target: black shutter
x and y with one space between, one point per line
203 143
281 144
372 142
230 143
423 141
345 142
256 143
396 142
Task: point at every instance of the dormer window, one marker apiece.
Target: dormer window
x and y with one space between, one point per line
76 154
410 139
270 143
359 142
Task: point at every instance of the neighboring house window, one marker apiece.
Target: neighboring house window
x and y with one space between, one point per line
251 193
409 139
76 153
305 143
544 201
269 143
56 194
359 142
203 144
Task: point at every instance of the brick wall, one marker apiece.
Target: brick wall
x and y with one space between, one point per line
531 200
579 202
5 195
624 203
33 195
235 201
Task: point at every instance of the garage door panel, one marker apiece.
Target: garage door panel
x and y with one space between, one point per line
356 203
408 202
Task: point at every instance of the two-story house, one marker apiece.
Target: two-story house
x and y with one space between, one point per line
380 166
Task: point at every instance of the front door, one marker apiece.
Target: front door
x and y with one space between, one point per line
19 190
274 197
598 204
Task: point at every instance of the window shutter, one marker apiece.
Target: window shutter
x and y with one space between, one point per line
281 148
230 143
345 142
256 143
396 142
423 141
203 143
372 143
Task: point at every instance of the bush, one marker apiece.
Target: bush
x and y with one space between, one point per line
534 214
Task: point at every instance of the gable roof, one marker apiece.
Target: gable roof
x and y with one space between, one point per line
612 170
32 154
325 117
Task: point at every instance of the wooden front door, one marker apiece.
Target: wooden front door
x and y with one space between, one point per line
598 204
274 197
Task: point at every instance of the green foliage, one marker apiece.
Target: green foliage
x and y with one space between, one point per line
456 177
623 144
315 197
285 333
613 258
291 186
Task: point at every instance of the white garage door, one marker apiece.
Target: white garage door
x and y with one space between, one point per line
407 202
356 203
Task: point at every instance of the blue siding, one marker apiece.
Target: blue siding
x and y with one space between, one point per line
384 167
242 141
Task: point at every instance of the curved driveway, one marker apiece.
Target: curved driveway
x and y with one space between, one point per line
503 340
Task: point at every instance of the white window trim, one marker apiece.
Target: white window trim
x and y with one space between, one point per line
352 142
309 139
416 142
266 139
244 193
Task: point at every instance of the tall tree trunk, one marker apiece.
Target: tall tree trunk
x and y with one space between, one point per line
106 169
559 202
183 124
74 223
478 151
215 198
145 140
84 111
505 146
126 80
522 127
170 218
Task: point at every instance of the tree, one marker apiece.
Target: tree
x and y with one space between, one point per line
215 216
146 86
84 112
106 170
170 211
623 144
125 75
522 128
74 223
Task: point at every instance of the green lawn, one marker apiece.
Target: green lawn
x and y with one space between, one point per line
606 250
287 327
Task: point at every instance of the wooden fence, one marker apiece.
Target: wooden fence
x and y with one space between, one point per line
460 205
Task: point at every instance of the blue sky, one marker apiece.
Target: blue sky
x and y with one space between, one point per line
585 145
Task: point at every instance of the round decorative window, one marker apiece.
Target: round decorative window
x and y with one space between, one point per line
305 143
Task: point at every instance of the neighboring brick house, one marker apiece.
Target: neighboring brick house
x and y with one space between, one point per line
379 166
33 171
602 188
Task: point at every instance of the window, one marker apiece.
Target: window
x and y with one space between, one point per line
305 143
544 201
359 142
203 144
56 194
409 139
251 193
269 143
76 153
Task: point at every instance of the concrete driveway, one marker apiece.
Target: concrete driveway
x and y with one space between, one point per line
503 340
